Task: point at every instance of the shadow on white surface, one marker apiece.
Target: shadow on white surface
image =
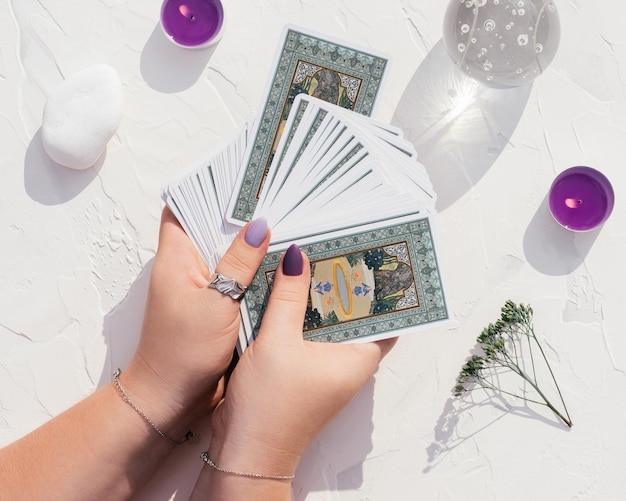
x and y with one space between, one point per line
169 68
553 250
334 461
458 126
451 432
448 435
122 325
49 183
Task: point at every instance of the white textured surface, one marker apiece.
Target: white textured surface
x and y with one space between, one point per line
77 245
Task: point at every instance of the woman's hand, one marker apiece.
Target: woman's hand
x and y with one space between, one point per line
283 391
189 330
104 448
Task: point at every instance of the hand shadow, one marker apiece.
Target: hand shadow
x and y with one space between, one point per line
342 447
168 68
122 325
458 126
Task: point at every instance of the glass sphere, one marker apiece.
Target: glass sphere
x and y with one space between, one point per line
502 43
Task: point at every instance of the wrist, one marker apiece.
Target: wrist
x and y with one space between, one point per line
235 472
239 451
155 403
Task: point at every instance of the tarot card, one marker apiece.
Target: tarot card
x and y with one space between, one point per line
329 174
373 283
199 197
310 64
314 123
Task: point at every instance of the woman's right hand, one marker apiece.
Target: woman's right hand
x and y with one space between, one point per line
285 390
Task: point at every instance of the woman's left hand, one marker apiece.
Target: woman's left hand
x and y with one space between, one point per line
190 330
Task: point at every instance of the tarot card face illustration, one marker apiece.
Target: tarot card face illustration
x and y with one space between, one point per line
367 285
307 64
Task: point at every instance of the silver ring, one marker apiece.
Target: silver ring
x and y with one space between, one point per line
228 286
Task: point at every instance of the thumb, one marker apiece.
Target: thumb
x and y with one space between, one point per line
242 259
287 304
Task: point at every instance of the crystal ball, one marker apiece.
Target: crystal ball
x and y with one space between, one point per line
502 43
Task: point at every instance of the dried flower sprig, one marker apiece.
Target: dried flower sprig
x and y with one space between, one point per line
501 344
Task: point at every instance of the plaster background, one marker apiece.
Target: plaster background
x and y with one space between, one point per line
76 247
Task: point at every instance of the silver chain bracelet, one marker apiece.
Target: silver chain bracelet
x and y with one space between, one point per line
205 457
126 398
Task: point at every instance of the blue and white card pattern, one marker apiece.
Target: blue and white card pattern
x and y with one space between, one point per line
371 284
307 63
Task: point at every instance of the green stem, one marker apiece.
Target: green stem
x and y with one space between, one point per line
482 382
568 421
529 328
509 333
511 364
503 353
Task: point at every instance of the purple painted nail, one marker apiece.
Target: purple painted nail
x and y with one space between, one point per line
257 231
292 262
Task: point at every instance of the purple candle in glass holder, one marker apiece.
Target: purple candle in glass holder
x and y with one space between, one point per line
192 24
581 199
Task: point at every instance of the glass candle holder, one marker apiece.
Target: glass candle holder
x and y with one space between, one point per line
193 24
581 199
502 43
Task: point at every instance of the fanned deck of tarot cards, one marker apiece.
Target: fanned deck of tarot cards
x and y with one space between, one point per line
351 193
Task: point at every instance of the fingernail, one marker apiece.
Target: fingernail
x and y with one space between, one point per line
292 262
256 233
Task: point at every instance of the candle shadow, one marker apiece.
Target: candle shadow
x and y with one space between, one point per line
553 250
458 126
169 68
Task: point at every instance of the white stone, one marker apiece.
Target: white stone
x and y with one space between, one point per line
81 116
